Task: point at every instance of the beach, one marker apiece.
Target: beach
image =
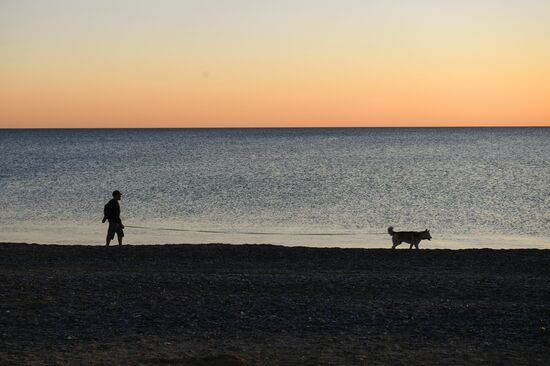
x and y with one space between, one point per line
272 305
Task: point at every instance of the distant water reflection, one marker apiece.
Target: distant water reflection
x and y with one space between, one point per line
471 187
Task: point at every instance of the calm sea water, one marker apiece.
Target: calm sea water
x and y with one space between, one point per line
486 187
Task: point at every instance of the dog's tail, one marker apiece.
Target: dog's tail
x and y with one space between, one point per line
390 230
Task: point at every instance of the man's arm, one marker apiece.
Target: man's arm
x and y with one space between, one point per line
116 212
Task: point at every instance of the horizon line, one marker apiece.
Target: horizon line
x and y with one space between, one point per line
271 127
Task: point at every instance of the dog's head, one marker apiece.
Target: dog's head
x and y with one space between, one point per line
426 234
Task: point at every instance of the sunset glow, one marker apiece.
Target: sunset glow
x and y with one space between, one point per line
244 63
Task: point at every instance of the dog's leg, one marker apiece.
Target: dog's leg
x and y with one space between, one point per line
395 242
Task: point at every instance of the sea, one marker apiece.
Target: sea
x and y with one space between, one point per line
338 187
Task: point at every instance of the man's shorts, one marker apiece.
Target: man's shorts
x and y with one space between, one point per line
114 227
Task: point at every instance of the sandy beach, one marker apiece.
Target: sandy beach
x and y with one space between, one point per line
271 305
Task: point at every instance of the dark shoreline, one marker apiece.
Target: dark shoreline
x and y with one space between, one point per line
272 305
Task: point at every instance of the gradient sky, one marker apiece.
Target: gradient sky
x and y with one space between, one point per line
255 63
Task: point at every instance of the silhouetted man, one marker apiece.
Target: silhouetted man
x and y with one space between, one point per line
111 212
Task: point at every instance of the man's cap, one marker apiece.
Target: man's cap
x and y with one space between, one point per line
116 193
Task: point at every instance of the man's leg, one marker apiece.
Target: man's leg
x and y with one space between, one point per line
119 233
110 234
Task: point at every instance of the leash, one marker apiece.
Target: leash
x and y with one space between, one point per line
246 232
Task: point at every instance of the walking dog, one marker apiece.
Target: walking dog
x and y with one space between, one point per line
410 237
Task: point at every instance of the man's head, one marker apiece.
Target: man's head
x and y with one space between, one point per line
117 195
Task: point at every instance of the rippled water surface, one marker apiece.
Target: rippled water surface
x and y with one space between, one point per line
472 187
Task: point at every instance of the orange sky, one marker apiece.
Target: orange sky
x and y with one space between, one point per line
244 64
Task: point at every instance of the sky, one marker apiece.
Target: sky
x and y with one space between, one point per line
259 63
